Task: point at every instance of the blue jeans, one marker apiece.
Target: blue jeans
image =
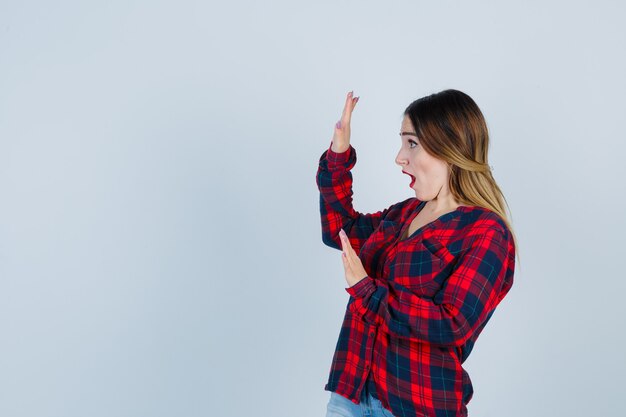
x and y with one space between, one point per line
340 406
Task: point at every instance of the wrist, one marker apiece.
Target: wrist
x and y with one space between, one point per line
337 148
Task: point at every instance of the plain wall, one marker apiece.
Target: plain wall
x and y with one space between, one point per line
160 238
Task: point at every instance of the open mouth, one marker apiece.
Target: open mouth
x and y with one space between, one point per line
412 178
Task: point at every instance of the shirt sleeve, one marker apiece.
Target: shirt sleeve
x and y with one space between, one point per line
334 181
468 297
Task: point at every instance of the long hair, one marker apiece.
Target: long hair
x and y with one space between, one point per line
451 127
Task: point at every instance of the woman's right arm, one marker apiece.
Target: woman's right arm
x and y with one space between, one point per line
334 181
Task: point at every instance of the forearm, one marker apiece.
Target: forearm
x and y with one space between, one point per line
467 298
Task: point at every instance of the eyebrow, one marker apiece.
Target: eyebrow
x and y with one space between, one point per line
408 133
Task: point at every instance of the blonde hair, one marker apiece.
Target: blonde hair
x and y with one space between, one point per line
451 127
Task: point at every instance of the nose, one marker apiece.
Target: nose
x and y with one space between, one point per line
399 160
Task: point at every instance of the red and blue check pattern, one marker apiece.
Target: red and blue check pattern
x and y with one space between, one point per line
412 322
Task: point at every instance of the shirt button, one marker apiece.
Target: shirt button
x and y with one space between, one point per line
372 334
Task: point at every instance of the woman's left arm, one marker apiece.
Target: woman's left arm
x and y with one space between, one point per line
481 278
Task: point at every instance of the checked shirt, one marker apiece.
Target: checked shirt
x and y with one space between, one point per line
413 320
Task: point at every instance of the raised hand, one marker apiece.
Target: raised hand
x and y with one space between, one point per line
341 135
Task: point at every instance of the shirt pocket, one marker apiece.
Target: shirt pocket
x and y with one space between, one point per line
388 230
421 268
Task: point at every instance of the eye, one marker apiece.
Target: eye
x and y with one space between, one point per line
412 142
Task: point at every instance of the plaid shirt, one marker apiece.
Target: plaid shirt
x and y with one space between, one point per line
413 320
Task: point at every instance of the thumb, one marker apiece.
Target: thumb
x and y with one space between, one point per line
346 263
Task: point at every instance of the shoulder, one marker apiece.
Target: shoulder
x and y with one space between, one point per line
479 220
479 225
398 211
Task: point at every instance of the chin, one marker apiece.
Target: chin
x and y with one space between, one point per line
421 197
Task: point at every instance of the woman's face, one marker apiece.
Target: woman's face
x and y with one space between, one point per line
429 175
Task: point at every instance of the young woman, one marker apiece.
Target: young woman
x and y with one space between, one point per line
425 274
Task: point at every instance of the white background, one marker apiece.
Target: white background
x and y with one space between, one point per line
160 239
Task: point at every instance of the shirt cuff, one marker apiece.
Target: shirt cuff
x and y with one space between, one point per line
362 288
339 157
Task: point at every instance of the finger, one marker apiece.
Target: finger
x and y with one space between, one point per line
347 109
343 236
346 105
346 243
353 102
348 251
341 241
347 268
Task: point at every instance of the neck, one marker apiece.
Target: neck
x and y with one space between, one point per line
441 204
